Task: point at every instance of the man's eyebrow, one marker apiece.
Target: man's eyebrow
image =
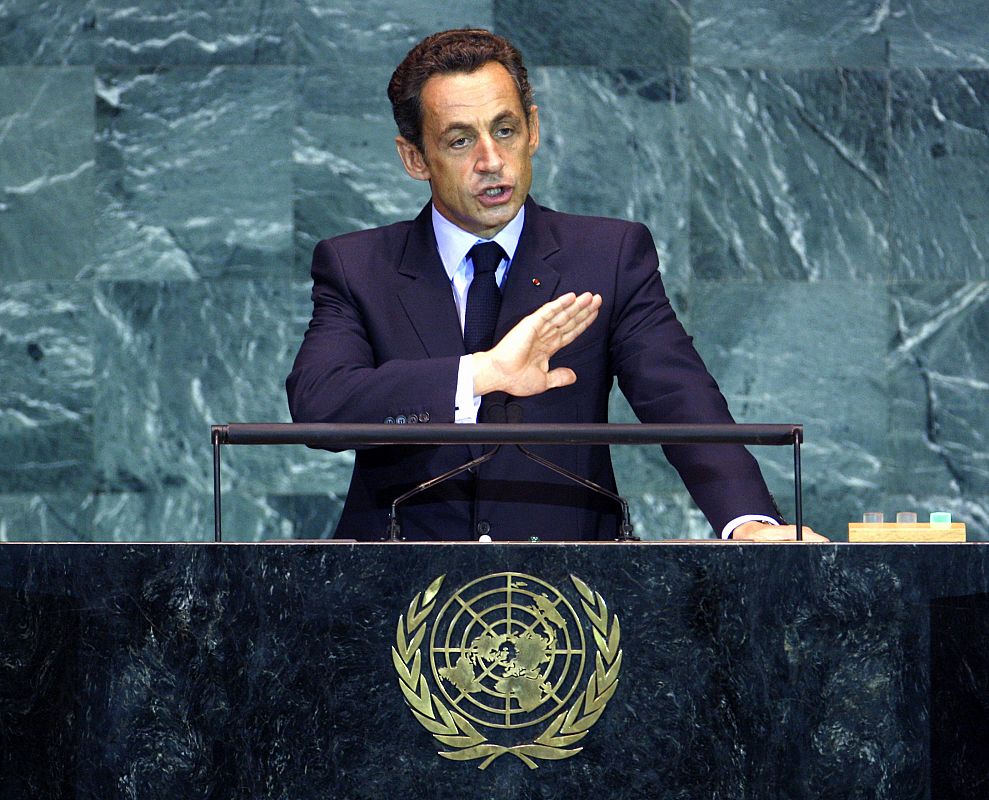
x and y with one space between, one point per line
504 116
456 126
507 116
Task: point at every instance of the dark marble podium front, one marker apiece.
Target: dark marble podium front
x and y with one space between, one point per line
265 671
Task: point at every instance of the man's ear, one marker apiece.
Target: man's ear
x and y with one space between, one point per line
533 130
412 159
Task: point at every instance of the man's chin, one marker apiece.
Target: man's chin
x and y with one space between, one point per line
499 216
484 221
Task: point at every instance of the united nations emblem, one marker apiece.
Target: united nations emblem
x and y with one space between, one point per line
507 653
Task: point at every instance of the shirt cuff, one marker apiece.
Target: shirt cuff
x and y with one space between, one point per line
729 529
466 403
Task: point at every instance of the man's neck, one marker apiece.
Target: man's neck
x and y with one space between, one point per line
453 242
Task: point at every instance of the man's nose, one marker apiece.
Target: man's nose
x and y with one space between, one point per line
488 155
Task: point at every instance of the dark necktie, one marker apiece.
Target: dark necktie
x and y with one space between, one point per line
483 297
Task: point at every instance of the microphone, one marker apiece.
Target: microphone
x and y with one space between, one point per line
493 408
499 407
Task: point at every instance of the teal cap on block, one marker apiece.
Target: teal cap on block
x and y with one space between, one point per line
941 519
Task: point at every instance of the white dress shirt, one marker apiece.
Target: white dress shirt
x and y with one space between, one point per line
453 244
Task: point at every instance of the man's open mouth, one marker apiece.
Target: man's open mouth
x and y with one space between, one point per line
495 194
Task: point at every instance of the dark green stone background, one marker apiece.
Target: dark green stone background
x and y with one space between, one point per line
816 177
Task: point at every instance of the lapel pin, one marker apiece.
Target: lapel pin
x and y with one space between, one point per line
535 282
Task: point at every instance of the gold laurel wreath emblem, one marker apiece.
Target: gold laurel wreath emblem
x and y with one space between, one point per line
453 730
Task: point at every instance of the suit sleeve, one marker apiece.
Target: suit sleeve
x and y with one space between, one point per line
343 373
665 381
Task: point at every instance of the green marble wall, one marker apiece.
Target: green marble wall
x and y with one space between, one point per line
816 177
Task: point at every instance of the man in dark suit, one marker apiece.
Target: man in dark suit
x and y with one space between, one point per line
578 301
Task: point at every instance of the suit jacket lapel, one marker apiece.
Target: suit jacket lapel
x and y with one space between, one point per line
427 297
531 280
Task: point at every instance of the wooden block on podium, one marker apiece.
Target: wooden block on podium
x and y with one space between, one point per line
899 532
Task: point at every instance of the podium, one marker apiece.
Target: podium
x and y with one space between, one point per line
270 670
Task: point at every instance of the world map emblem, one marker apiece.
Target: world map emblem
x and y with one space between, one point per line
502 666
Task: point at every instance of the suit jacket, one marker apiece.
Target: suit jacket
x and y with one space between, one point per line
385 341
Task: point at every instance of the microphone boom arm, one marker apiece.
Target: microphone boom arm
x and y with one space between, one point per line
394 532
625 528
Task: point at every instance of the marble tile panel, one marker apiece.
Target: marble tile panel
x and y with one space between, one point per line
659 515
614 143
354 36
346 172
193 173
46 172
46 391
939 174
792 34
938 448
150 33
47 31
177 515
788 174
50 517
642 33
160 32
939 33
163 515
175 358
299 516
813 355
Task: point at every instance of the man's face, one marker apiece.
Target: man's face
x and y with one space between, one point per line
477 148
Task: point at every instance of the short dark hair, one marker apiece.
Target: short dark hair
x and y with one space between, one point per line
459 50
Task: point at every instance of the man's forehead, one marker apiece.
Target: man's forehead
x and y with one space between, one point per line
489 91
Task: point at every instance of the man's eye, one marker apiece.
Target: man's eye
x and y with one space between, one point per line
505 132
458 143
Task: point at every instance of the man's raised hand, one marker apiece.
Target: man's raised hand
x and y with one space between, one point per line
519 363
